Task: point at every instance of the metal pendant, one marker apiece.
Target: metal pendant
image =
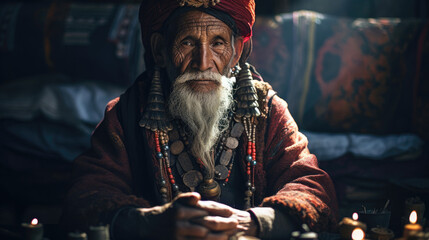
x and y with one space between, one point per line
231 143
185 162
209 189
177 147
192 179
246 95
154 116
198 3
237 130
225 158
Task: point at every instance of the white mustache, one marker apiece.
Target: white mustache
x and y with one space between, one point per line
206 75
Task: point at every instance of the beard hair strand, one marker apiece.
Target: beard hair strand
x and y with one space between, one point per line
205 114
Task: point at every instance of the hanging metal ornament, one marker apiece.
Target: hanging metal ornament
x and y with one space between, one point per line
246 96
198 3
154 117
209 189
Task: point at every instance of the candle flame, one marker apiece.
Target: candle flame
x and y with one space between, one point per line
413 217
34 221
355 216
358 234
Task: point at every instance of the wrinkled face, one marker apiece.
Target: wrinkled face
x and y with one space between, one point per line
201 42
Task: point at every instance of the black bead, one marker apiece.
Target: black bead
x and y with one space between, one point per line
159 155
165 147
249 158
175 187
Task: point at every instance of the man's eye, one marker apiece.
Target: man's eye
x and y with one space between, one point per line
218 43
186 43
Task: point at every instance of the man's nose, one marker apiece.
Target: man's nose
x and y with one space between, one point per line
203 58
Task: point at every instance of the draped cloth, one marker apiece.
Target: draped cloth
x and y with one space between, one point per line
121 168
153 14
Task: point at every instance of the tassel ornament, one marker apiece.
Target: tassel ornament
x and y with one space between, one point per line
246 94
154 117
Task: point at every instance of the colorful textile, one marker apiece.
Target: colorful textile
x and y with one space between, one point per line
87 41
287 176
347 75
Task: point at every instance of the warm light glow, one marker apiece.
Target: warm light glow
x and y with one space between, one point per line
413 217
358 234
34 221
355 216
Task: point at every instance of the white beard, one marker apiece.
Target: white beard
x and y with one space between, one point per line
205 114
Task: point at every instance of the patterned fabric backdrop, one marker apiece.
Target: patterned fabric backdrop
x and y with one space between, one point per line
340 74
337 74
92 41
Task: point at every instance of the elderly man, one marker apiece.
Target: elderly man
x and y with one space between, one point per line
199 147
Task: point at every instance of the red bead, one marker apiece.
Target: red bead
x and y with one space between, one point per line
226 180
171 176
169 170
172 181
248 172
248 164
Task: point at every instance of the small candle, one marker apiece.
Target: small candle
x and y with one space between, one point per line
347 225
358 234
416 236
98 233
415 204
77 236
412 226
33 230
308 236
380 233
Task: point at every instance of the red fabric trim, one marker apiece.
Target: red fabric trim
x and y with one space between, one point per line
153 13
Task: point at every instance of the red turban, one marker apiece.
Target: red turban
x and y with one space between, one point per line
153 13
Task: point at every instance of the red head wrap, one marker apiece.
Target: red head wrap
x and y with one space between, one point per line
153 13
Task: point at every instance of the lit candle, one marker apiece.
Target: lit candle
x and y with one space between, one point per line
33 230
358 234
415 204
412 226
347 225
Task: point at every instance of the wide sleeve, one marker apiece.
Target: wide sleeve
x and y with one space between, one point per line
295 183
102 181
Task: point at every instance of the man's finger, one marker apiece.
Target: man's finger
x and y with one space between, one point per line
187 229
216 223
185 213
215 208
188 198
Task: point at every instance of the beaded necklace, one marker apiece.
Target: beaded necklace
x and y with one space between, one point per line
245 117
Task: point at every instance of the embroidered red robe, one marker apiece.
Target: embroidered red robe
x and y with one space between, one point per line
120 169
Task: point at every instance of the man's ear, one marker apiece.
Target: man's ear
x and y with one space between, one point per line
157 44
238 48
